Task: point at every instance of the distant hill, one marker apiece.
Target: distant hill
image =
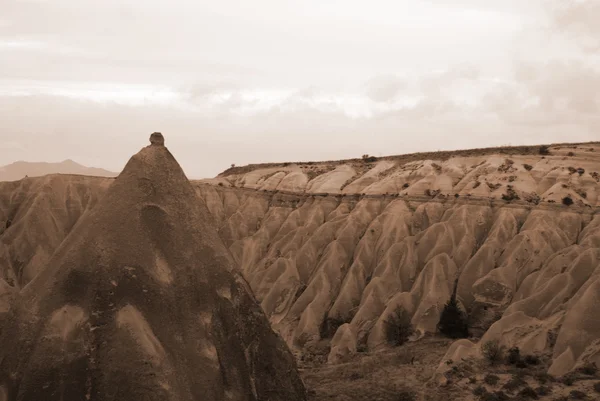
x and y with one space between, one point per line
18 170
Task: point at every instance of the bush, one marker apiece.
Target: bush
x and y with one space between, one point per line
577 395
567 201
514 355
544 150
398 327
568 380
597 387
589 369
406 396
492 380
528 392
453 321
479 391
570 154
514 383
528 167
532 360
492 351
543 390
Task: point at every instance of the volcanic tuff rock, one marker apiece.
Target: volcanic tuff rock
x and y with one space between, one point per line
141 301
332 249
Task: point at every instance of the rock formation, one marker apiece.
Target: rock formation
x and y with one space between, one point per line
333 249
142 301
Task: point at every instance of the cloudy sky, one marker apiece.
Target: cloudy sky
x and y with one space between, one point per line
232 81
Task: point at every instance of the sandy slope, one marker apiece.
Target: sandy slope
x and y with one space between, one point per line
332 249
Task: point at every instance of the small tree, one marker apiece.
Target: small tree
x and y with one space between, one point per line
398 327
492 351
453 321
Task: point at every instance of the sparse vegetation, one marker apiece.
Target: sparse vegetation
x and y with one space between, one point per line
597 387
479 391
491 379
572 170
577 395
528 167
512 178
369 159
532 360
544 150
589 369
581 193
528 393
406 396
510 194
543 390
330 326
567 201
492 351
570 154
514 383
493 187
513 356
398 327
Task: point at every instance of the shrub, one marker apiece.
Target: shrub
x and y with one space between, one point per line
472 380
570 154
543 390
510 194
406 396
453 321
528 167
589 369
597 387
476 184
398 327
568 380
479 391
528 392
567 201
532 360
496 396
577 395
544 150
406 185
514 355
514 383
492 380
492 351
572 170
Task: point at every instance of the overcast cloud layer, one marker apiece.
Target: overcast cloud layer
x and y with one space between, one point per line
275 80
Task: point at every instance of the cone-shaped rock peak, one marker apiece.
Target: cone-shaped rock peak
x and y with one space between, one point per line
142 301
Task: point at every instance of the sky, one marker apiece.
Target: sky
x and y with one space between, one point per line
277 80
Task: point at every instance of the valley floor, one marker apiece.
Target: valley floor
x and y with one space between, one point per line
406 373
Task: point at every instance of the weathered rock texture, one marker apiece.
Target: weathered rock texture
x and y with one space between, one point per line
332 249
140 301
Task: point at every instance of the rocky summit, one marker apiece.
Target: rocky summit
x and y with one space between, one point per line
140 301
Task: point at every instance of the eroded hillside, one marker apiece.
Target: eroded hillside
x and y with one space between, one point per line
332 249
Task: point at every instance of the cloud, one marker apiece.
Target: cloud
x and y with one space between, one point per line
579 19
384 88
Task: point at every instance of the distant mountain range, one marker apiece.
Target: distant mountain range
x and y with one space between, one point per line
18 170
